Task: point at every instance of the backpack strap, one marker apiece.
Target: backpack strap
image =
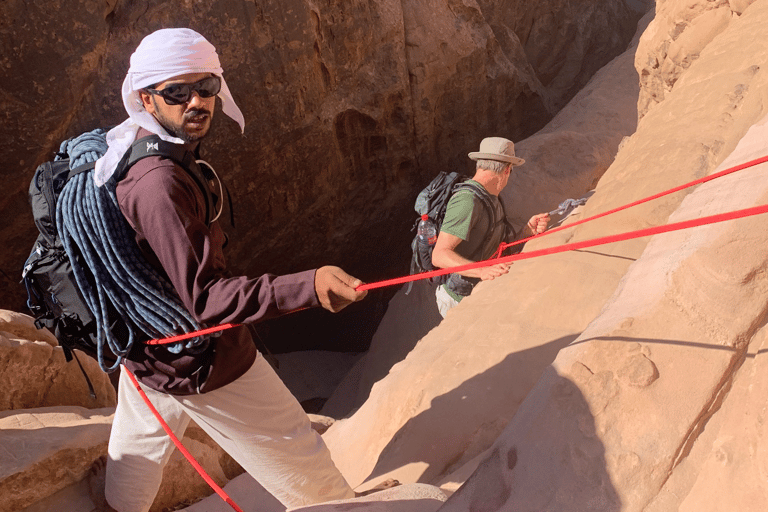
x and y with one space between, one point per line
82 168
152 145
484 197
487 201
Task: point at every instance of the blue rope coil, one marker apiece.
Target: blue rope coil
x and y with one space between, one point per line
114 274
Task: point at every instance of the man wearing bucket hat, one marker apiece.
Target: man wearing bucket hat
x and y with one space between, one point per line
475 223
224 385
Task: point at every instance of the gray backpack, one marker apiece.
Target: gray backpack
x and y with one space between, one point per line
433 201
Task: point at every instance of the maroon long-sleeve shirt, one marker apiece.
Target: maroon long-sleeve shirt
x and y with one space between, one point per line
166 209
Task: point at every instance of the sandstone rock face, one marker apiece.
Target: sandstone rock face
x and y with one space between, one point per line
675 38
730 454
598 117
350 108
36 374
45 450
628 375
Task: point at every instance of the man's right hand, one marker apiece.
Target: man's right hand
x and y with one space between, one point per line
538 223
336 289
493 271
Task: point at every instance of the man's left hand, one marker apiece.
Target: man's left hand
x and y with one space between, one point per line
538 223
336 289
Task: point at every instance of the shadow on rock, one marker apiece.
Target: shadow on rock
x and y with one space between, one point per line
548 458
463 423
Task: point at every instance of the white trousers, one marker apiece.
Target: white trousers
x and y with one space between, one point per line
444 301
254 419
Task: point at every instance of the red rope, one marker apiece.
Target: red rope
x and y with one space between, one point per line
576 245
712 219
495 259
181 447
188 335
699 181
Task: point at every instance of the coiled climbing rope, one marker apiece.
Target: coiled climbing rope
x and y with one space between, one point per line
112 273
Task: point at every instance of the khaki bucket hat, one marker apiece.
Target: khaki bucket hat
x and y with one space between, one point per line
497 148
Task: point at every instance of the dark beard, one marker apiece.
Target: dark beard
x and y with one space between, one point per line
177 130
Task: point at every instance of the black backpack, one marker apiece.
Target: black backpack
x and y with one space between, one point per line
433 201
53 296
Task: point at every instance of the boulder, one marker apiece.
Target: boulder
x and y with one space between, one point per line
34 372
48 449
51 451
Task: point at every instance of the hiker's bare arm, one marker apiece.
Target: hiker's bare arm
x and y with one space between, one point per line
336 289
444 255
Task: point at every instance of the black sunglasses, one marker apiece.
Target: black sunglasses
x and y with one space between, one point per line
180 93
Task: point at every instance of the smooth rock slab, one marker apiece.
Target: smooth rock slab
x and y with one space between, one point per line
403 498
46 450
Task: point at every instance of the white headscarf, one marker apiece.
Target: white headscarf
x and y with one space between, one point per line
160 56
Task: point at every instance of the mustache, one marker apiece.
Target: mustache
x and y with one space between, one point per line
189 114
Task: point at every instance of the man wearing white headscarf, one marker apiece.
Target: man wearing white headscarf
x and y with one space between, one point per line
226 387
164 54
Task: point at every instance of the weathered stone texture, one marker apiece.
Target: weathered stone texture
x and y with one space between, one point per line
45 450
675 38
36 374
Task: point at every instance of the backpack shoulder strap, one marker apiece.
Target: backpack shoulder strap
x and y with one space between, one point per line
485 198
152 145
481 194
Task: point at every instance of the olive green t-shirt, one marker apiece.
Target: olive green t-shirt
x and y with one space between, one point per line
467 218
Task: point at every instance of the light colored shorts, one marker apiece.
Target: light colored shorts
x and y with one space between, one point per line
444 301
